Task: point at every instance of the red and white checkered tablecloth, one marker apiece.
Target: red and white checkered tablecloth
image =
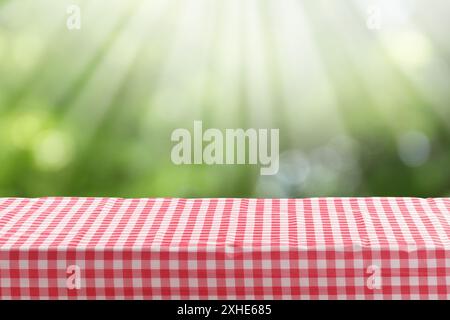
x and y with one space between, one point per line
325 248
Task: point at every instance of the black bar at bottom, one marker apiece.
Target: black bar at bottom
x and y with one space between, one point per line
230 309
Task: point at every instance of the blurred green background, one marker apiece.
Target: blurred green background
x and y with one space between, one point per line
363 109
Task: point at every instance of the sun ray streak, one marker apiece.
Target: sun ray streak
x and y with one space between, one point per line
88 108
50 33
227 65
306 88
179 91
259 95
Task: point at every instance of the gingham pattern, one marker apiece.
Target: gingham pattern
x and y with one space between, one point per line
325 248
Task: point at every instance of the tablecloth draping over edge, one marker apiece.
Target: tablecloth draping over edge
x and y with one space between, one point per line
163 248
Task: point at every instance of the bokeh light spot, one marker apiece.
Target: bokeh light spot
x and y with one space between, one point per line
24 127
409 49
53 150
414 148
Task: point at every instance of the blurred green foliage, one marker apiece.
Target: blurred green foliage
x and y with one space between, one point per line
90 112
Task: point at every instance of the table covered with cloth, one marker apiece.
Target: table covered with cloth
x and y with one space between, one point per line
170 248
